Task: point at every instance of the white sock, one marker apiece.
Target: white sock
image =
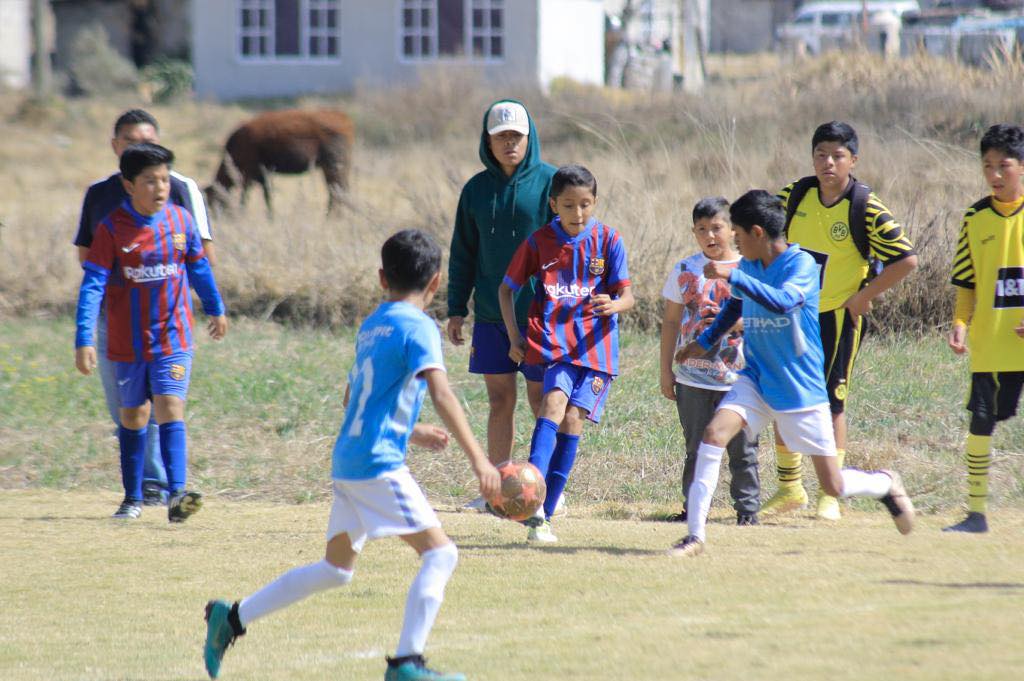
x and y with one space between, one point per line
705 480
292 587
425 596
863 484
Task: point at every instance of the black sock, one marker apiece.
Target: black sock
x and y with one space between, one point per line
399 661
236 624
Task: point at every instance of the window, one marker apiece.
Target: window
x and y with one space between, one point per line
288 29
453 28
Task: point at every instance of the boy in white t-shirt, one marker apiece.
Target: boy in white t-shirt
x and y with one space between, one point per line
698 384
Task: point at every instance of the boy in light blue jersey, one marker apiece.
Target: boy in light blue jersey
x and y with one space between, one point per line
775 290
398 359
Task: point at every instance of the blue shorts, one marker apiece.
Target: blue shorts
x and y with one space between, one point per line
586 388
137 382
488 353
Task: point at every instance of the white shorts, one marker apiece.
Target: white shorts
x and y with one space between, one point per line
808 431
386 506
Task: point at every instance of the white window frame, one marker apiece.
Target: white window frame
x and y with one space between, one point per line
306 31
418 31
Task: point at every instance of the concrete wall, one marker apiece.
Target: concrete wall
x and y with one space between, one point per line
15 42
746 26
571 41
369 54
172 33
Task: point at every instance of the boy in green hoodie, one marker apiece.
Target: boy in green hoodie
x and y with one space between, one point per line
498 208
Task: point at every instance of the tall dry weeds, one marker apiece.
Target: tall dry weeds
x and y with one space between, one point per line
919 120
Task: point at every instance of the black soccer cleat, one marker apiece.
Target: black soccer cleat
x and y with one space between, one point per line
128 510
182 505
747 519
975 523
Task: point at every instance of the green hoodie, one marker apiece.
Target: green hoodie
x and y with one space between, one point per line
496 213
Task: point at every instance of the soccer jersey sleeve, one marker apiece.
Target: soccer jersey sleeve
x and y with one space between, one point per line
784 194
671 289
193 239
525 263
618 272
801 280
462 259
423 347
101 252
963 263
886 238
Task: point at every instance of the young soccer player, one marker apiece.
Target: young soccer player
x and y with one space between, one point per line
582 286
143 257
847 230
988 272
775 291
135 127
699 384
398 359
498 208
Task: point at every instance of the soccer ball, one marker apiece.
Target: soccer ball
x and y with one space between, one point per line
522 491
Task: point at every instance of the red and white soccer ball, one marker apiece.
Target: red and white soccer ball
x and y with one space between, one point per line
522 491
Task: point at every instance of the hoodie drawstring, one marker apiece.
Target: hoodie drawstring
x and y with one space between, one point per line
494 210
515 194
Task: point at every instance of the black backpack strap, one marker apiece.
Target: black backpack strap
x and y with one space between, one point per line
858 217
799 191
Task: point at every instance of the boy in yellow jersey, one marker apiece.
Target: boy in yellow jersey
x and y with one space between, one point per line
988 271
845 227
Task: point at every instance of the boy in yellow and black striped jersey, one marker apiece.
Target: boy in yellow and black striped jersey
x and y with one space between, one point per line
850 232
988 271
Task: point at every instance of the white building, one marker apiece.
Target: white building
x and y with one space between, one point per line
267 48
15 43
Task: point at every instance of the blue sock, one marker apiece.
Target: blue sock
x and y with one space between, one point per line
543 444
173 449
558 474
133 453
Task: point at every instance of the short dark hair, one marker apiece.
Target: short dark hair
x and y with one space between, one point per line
134 117
138 157
709 207
759 207
410 259
572 176
1006 139
836 131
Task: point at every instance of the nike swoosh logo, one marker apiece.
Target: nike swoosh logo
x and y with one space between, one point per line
129 249
123 381
547 266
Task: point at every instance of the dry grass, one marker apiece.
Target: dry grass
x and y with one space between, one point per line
919 121
795 601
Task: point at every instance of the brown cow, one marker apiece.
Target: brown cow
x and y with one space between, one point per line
290 142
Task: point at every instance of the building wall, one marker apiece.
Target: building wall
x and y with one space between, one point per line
369 54
172 37
746 26
15 42
571 42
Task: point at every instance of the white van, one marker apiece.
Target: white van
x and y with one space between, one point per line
817 25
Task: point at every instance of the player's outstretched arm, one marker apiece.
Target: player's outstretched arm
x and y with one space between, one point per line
429 436
450 411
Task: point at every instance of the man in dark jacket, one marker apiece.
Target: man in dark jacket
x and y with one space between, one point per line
499 207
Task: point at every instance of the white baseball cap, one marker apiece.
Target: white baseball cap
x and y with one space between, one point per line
508 116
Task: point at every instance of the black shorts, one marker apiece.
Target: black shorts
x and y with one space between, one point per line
995 395
840 339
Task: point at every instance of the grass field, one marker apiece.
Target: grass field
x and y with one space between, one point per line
265 406
87 598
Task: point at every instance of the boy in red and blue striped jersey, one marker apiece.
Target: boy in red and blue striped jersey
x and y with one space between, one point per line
142 258
572 330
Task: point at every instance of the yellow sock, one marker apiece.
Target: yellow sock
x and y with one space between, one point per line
788 466
979 457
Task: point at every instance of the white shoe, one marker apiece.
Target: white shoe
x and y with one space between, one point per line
559 507
479 504
541 533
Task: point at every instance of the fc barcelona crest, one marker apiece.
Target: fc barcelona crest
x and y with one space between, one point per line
179 242
177 372
597 385
597 266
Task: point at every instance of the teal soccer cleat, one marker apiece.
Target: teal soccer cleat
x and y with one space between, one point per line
220 635
414 668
